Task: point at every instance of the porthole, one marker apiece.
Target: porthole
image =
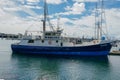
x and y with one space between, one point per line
56 41
42 41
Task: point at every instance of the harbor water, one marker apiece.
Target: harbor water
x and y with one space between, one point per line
36 67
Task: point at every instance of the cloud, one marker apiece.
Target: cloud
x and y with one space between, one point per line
13 7
6 3
33 0
8 23
1 12
80 27
56 1
48 1
33 7
76 8
12 24
113 18
85 0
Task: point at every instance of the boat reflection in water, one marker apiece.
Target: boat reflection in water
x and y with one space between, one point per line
34 67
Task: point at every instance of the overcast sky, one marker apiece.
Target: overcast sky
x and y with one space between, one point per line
76 16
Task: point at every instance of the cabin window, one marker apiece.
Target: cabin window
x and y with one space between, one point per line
61 44
48 34
42 41
30 41
54 33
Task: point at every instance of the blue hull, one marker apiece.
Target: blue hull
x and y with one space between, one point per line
93 50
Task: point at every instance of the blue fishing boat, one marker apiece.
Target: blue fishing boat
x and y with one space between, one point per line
91 50
53 43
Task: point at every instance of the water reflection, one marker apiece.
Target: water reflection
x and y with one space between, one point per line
60 68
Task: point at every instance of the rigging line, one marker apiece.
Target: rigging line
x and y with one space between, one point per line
106 27
48 19
101 6
95 22
105 34
103 15
98 20
29 27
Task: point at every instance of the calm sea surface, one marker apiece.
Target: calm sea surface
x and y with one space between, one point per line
24 67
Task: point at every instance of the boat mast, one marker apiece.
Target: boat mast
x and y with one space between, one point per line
45 16
101 25
98 19
105 23
95 24
102 20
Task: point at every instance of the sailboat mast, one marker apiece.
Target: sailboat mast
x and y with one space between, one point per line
97 22
101 19
45 15
96 13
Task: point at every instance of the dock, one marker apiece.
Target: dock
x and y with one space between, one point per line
11 36
115 53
